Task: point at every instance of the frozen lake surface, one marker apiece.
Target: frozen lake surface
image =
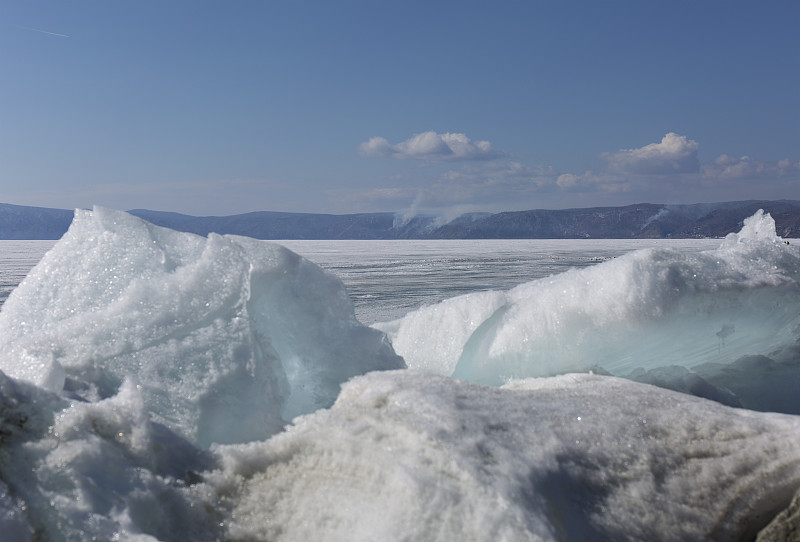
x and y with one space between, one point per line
16 259
387 279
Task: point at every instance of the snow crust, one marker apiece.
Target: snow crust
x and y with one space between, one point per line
657 315
228 338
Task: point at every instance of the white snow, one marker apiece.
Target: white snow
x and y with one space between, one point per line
409 456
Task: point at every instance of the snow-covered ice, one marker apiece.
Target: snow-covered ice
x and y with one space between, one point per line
147 376
646 315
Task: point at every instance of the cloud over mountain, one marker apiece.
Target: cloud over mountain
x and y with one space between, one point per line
432 146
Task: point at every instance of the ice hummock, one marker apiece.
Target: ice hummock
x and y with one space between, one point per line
646 315
227 337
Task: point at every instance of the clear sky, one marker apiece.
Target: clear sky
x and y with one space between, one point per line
216 108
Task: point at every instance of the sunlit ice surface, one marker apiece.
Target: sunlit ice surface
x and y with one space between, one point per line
148 376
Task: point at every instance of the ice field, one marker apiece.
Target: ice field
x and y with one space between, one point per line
16 260
158 385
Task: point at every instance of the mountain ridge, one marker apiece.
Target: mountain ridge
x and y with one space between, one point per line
636 221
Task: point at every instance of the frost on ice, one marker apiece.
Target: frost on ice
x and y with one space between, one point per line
227 337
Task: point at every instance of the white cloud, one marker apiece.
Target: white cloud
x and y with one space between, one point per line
728 168
376 146
567 180
432 146
667 171
786 167
674 154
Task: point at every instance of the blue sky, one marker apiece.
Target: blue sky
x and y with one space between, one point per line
215 108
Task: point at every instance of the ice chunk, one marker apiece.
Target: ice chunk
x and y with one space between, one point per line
431 339
409 456
647 309
757 230
228 337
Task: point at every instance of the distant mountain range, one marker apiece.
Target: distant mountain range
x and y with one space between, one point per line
644 220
